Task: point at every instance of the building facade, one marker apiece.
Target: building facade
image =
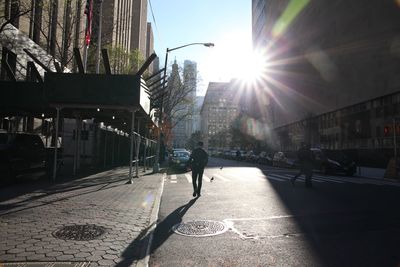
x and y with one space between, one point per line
190 86
325 55
123 32
139 26
220 108
196 116
332 78
184 91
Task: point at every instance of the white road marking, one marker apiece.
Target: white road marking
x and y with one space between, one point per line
221 177
269 177
236 176
188 177
173 177
206 178
173 182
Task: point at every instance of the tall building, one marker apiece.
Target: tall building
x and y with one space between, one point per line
220 107
190 86
333 77
325 55
124 30
178 135
150 46
184 90
196 116
139 26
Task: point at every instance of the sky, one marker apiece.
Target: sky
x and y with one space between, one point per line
225 23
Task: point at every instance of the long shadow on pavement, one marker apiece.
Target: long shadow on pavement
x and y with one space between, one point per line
162 232
35 192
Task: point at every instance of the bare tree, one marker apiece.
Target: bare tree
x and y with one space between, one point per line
62 31
12 11
179 103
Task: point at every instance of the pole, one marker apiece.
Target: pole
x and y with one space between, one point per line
137 150
55 146
131 146
99 36
105 148
75 168
394 144
144 154
79 135
156 167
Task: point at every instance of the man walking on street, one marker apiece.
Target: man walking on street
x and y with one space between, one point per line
198 160
306 159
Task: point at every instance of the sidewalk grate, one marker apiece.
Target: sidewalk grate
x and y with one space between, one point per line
78 232
200 228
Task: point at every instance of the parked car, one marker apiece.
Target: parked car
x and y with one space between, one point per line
333 161
285 159
21 153
249 156
180 160
265 158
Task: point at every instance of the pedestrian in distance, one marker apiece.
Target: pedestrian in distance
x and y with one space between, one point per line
306 160
198 161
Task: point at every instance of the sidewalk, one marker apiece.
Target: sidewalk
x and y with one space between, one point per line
32 215
367 172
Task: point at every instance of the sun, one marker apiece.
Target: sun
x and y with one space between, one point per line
254 67
233 58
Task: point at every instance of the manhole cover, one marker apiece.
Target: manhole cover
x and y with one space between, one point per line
79 232
200 228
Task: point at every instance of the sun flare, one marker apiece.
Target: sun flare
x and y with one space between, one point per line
233 58
254 68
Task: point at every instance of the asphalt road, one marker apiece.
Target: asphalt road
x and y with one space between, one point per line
341 221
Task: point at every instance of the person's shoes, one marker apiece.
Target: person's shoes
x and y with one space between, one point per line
198 194
194 194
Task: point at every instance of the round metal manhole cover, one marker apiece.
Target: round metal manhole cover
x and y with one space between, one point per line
200 228
83 232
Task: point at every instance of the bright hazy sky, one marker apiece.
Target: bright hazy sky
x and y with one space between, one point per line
226 23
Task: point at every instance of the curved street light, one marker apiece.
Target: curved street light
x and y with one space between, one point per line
156 164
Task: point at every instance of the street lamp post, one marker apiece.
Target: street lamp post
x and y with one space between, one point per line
156 167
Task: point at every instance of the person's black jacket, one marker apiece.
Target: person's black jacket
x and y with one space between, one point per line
198 158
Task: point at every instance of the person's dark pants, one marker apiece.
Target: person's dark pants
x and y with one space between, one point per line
306 169
308 180
197 176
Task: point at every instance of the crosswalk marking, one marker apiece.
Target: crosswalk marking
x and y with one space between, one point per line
280 177
206 178
174 182
220 177
237 176
188 177
275 178
247 177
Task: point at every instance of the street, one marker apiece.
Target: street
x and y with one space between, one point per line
341 221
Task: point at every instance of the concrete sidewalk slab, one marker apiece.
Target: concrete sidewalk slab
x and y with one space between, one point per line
29 220
368 172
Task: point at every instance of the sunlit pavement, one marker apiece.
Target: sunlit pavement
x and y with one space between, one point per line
341 221
109 220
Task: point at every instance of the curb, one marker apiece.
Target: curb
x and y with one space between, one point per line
153 221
